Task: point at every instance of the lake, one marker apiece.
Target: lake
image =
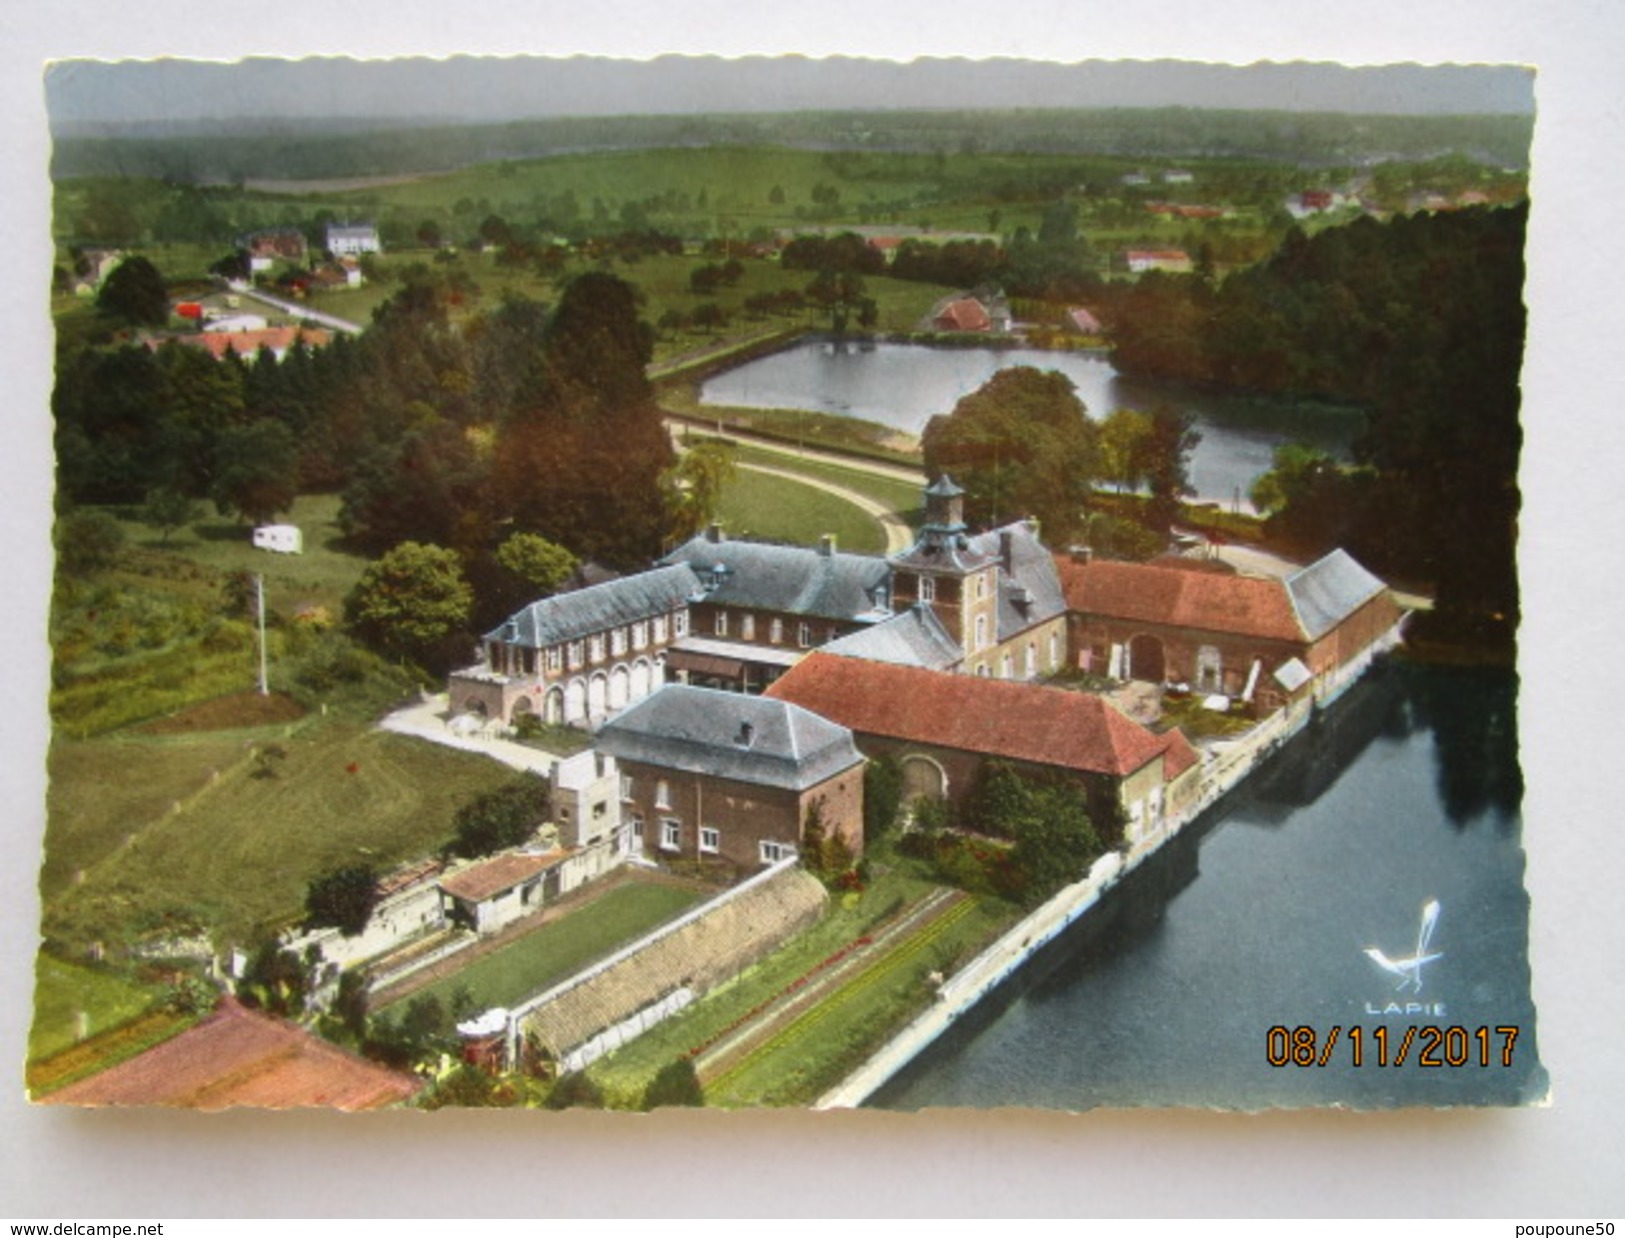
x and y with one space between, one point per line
904 385
1405 793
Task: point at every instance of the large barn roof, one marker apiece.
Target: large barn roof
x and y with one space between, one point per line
968 713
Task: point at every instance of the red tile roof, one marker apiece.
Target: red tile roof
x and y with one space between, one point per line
1178 756
240 1057
1209 602
992 717
495 876
964 315
248 343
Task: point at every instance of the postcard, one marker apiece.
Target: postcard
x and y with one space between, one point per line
816 584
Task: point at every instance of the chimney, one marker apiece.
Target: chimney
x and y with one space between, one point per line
713 532
826 545
1007 549
747 735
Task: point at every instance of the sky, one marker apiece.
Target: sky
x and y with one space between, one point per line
84 92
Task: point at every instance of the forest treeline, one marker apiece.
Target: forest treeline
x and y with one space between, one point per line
1421 321
528 419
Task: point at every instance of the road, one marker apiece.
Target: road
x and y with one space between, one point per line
892 472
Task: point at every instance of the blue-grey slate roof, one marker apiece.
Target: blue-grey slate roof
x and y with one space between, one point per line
915 637
1030 590
794 580
1329 590
704 731
598 608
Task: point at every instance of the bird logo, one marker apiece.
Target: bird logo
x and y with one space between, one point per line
1409 969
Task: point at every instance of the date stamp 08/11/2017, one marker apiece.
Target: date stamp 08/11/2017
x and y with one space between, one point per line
1425 1045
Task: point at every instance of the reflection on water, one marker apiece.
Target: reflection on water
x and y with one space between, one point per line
1262 914
904 385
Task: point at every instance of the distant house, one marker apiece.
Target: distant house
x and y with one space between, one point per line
236 322
576 657
1261 640
1084 322
713 775
1142 260
352 239
1177 176
264 249
247 343
92 267
1136 178
942 729
963 314
760 607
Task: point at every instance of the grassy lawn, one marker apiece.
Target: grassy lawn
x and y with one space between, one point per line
818 1050
63 991
321 576
564 947
236 859
904 499
777 509
102 791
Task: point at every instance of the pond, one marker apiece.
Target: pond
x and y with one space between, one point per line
904 385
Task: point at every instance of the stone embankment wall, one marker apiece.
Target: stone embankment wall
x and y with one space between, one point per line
699 951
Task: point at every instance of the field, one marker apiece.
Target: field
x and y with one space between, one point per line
321 576
234 858
72 1002
755 505
554 951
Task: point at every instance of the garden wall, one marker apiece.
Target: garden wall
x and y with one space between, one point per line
699 951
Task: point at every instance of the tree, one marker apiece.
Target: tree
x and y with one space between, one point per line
814 836
677 1083
135 292
1055 842
167 510
592 429
575 1089
256 471
694 487
408 602
342 899
1125 439
502 818
87 541
1168 465
1022 444
1296 467
540 565
882 796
